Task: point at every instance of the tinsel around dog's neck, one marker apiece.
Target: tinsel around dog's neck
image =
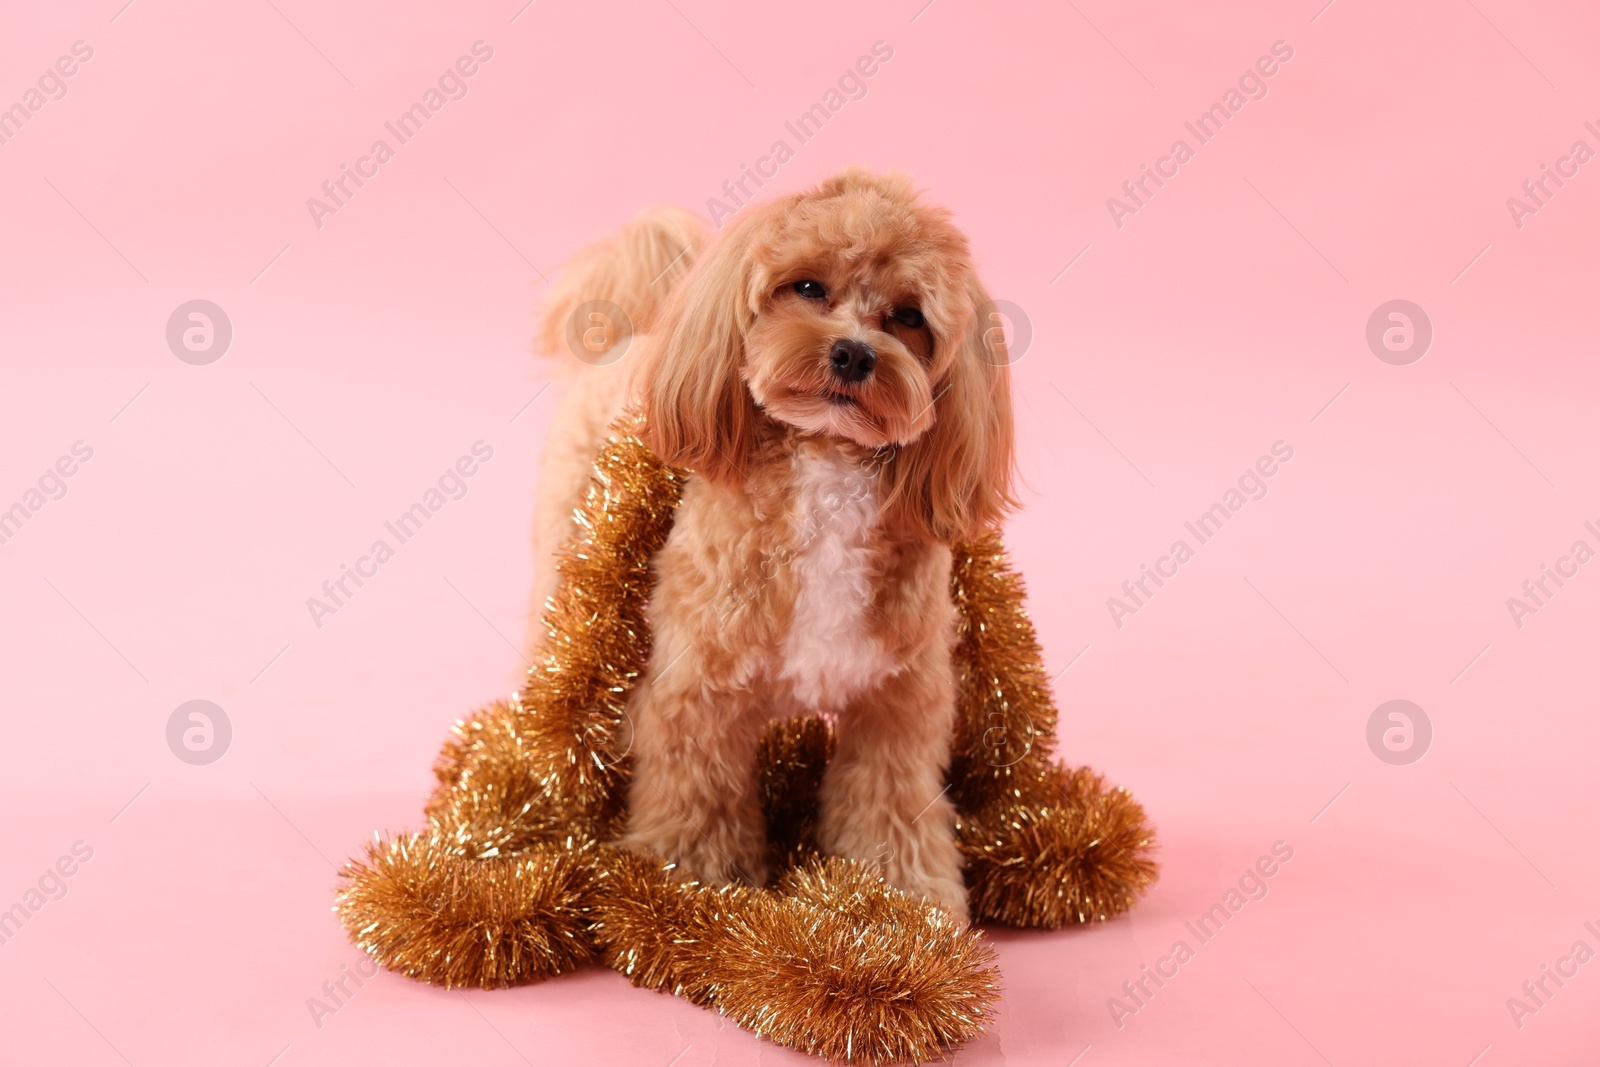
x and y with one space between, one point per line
514 880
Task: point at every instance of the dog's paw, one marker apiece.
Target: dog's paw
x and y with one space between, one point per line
949 894
923 860
721 863
702 859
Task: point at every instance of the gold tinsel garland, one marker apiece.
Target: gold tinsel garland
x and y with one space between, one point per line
512 881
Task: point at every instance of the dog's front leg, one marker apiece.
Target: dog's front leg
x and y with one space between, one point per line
693 799
883 796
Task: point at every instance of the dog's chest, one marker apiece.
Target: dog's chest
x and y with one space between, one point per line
831 651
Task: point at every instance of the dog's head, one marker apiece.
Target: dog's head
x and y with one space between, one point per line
848 311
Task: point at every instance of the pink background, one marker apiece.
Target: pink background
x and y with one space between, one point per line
1223 317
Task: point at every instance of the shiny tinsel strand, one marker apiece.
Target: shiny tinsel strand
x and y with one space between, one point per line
838 964
495 892
832 962
657 929
510 884
1069 850
554 759
792 756
417 906
1004 712
1044 846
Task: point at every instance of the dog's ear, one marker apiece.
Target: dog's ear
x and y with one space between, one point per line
955 481
698 412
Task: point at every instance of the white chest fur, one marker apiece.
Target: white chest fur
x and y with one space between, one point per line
831 652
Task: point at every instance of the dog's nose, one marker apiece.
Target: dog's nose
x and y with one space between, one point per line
852 360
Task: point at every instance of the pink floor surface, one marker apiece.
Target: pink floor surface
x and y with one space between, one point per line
1174 340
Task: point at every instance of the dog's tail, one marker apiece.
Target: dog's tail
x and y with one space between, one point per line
634 269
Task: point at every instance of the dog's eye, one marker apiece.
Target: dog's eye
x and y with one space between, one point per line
910 317
811 290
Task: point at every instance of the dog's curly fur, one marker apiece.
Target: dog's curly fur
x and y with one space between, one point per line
808 569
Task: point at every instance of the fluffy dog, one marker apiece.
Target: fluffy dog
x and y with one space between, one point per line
821 371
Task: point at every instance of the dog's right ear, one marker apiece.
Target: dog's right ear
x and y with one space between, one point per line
698 412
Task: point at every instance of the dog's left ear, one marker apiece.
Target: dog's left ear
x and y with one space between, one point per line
955 481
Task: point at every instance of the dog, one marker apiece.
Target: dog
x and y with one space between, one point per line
828 373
